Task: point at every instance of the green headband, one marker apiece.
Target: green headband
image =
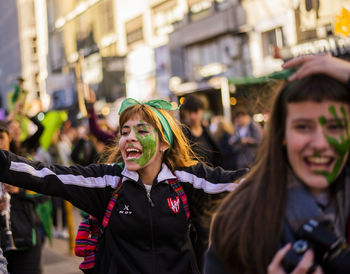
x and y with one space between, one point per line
155 105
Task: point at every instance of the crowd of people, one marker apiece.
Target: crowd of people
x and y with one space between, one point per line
190 197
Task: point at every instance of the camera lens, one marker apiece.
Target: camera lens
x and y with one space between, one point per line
300 246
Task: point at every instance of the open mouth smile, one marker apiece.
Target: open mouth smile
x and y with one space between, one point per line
319 163
133 153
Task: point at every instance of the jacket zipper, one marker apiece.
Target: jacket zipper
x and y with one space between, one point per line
149 199
148 194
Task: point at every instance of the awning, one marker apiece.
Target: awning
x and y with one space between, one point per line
245 81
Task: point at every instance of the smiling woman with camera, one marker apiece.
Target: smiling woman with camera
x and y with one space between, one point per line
297 195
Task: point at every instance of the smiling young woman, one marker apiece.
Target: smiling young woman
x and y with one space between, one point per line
148 227
301 173
310 154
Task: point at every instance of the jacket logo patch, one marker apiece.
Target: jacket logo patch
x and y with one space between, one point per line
125 210
174 204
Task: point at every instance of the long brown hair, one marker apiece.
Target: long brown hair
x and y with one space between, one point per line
247 227
179 155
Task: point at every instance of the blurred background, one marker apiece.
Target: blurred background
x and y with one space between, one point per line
56 56
221 50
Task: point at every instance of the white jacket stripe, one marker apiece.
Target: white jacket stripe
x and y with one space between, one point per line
70 179
202 183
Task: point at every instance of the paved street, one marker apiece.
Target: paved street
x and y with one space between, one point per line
56 258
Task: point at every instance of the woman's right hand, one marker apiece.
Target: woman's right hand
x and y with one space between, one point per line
90 97
302 268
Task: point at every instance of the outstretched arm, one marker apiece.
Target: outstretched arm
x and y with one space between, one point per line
210 180
324 64
88 188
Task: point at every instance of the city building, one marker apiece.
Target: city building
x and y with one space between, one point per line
83 50
162 48
210 44
317 25
18 51
10 67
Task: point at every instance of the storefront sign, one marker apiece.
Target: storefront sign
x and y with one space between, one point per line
336 45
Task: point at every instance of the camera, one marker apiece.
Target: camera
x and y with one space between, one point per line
332 254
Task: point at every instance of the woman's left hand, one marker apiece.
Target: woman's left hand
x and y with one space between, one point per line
302 268
322 63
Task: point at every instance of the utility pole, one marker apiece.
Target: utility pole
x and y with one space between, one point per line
80 86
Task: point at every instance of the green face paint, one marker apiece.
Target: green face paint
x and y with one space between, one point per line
341 145
148 142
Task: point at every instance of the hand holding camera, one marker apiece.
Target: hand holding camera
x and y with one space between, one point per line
332 254
303 266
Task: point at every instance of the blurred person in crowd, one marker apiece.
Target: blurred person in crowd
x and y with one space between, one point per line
3 263
15 133
84 151
64 146
205 147
199 136
245 140
291 214
105 136
222 131
58 212
28 146
19 95
18 106
24 222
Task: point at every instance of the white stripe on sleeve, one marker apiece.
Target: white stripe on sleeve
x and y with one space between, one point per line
201 183
78 180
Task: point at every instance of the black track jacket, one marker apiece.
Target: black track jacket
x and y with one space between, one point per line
144 235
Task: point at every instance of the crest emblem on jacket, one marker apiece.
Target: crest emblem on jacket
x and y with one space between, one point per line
174 204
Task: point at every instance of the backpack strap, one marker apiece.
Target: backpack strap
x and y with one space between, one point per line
89 233
109 209
175 184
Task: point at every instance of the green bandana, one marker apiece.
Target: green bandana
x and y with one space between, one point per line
155 105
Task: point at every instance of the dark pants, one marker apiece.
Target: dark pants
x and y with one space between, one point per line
24 261
58 204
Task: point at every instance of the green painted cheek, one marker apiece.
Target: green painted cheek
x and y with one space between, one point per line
341 145
149 145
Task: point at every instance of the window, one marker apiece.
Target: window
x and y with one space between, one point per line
221 4
110 50
34 45
134 30
108 16
164 14
271 41
199 9
199 56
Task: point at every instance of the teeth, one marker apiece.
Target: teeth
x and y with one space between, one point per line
132 150
319 160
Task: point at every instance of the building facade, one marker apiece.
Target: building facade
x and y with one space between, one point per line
18 51
83 50
161 48
211 43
